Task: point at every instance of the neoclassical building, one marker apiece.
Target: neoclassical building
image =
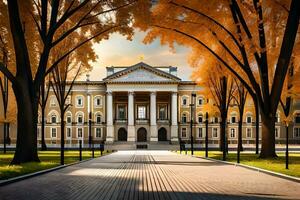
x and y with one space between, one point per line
147 105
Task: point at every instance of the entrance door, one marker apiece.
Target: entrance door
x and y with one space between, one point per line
122 134
162 134
142 135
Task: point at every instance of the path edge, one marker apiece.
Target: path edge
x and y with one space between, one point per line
30 175
276 174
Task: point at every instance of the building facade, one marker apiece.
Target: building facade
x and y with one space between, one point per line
141 104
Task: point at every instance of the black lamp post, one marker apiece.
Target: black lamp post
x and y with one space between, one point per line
206 134
192 105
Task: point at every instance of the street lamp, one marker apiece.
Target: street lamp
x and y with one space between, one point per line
192 105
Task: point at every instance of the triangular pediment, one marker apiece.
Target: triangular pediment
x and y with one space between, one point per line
141 72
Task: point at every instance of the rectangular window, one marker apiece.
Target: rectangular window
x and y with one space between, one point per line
183 132
121 112
277 133
200 132
232 132
53 101
98 132
53 132
98 102
69 132
249 119
141 112
215 132
248 132
162 112
297 119
79 132
79 101
216 120
297 132
233 119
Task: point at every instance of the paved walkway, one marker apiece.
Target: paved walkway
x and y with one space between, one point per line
151 175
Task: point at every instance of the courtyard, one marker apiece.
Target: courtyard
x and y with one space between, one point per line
152 175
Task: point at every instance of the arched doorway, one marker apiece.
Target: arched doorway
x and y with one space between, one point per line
142 135
122 134
162 134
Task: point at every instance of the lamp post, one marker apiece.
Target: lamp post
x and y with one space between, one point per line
206 134
191 121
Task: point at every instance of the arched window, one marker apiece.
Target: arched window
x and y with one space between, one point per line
80 118
98 118
200 101
184 118
53 118
200 118
68 118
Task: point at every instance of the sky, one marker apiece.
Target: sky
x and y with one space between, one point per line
118 51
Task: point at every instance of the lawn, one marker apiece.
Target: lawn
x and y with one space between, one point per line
251 159
48 160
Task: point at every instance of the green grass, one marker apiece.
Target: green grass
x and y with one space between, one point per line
49 159
275 165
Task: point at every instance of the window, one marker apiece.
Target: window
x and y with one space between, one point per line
215 132
184 101
98 132
200 101
69 132
200 118
53 101
183 118
248 132
79 101
69 119
183 132
98 101
38 133
162 112
233 119
200 133
53 118
216 120
277 133
297 132
80 118
141 112
121 112
297 118
249 119
53 132
232 132
98 118
277 118
79 132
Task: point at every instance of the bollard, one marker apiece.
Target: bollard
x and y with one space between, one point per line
80 150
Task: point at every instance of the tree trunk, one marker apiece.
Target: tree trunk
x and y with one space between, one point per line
44 146
240 136
26 147
4 137
222 134
268 137
62 139
256 126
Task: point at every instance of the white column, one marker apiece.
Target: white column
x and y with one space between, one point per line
109 116
174 126
153 126
130 128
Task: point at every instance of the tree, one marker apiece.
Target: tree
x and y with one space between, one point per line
43 21
62 88
44 94
258 37
221 89
240 98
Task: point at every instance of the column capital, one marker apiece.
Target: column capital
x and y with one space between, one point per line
175 93
108 92
130 92
153 93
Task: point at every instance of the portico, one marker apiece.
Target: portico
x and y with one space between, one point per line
142 100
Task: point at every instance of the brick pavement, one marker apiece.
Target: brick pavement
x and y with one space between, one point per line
151 175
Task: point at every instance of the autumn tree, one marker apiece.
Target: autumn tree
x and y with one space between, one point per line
34 28
240 98
258 36
221 88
